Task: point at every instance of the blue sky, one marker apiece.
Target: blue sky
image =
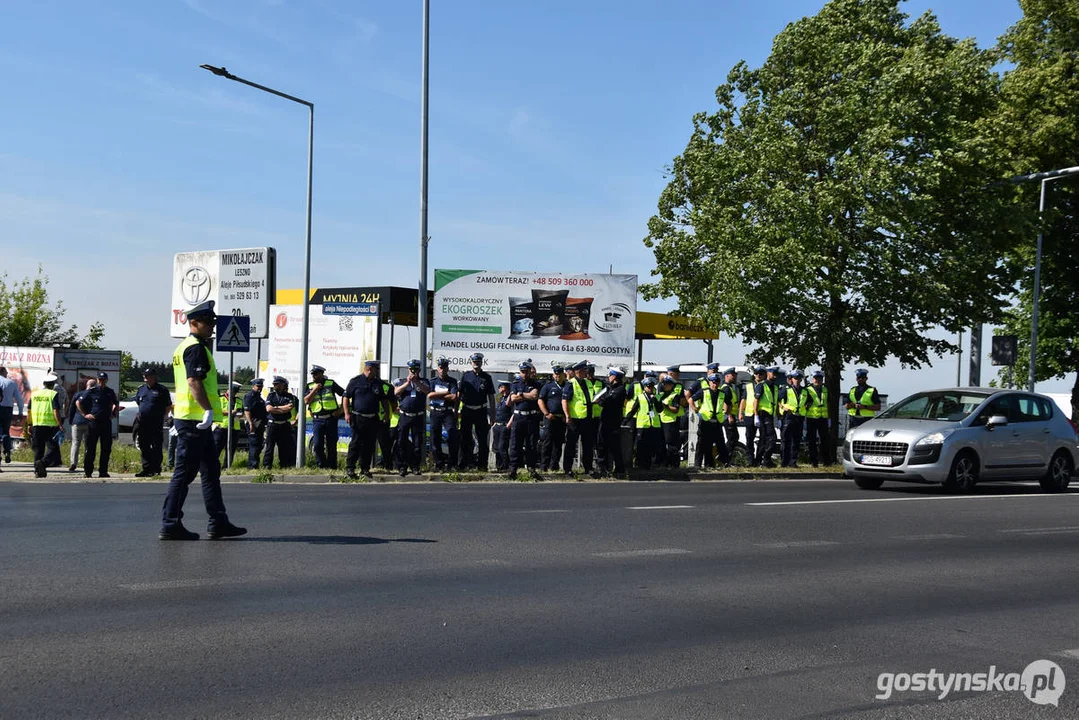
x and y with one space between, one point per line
551 123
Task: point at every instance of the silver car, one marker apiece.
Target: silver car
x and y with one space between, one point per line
960 436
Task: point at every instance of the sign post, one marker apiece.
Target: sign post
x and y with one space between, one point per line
233 335
241 281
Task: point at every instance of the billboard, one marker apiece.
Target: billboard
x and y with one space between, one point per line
241 281
551 318
338 342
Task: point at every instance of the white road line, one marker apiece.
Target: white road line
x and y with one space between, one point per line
908 499
1032 533
173 584
660 507
1070 528
536 512
796 544
641 553
1073 653
929 536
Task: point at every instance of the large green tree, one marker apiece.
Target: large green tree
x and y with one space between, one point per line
839 204
1038 123
30 319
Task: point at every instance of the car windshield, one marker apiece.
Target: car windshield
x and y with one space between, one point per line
951 405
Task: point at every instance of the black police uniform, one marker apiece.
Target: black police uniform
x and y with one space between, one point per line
412 402
553 429
279 431
732 395
153 404
443 417
387 436
710 433
324 422
99 401
792 428
582 430
649 439
500 435
255 406
766 443
524 432
609 435
365 397
476 389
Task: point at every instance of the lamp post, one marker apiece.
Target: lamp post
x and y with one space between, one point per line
301 419
421 295
1045 178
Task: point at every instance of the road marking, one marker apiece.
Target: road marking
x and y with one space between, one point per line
641 553
796 544
929 536
1070 528
1073 653
906 499
173 584
534 512
660 507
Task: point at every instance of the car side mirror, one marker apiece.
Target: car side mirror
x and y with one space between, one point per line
996 421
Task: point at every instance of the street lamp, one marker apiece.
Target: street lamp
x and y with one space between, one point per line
301 423
1045 178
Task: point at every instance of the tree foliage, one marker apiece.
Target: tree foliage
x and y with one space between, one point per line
1039 126
28 318
839 203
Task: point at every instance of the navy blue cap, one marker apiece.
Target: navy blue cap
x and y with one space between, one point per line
650 374
712 366
818 374
370 363
758 369
505 383
582 365
203 309
476 357
317 368
258 381
149 371
774 369
616 372
796 373
443 362
556 369
102 376
279 379
861 372
668 379
525 365
672 368
712 377
730 371
414 364
648 382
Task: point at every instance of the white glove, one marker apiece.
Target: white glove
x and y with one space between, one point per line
207 420
174 432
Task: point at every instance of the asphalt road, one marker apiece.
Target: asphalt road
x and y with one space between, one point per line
614 600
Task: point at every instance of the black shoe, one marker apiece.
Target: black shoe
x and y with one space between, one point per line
103 475
512 475
536 477
367 474
7 457
351 475
89 474
596 474
402 472
142 473
72 468
225 531
179 532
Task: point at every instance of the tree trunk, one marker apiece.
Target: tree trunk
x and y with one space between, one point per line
833 365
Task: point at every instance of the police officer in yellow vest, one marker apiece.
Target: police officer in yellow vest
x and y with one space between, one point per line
748 413
708 403
863 402
388 417
194 411
816 410
733 398
221 431
672 395
646 408
581 424
324 407
767 397
792 410
44 421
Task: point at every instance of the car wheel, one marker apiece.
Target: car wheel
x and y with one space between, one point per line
964 474
869 483
1058 474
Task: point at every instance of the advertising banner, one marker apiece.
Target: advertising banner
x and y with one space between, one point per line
241 282
551 318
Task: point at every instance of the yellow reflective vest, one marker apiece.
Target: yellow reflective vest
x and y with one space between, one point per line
185 407
41 407
865 399
816 404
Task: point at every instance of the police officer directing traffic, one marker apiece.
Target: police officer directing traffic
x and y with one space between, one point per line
194 411
154 402
443 403
98 405
477 395
365 397
321 402
412 402
255 414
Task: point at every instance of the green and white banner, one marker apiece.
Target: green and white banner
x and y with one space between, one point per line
552 318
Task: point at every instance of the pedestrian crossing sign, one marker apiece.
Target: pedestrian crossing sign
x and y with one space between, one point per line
233 333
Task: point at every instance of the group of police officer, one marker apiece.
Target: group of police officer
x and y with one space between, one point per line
89 412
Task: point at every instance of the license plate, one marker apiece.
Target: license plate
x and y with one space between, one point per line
876 459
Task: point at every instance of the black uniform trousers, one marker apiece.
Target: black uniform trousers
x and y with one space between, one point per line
221 437
256 437
767 444
710 445
584 431
817 434
151 439
444 419
324 438
385 444
196 454
672 439
98 432
361 447
500 438
279 436
609 447
524 441
40 439
792 438
731 431
474 422
750 425
554 437
410 432
649 439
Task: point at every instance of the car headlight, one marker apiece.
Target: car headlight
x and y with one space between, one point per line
936 438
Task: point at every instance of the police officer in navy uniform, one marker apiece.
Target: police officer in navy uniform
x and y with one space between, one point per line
412 402
98 405
524 432
863 401
609 434
767 396
280 405
323 407
443 403
500 428
387 422
196 407
792 406
154 402
553 428
580 424
364 397
733 397
477 395
748 413
255 414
